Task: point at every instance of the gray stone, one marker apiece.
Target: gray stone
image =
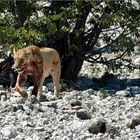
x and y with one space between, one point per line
3 92
68 96
28 105
33 99
75 102
50 86
3 98
42 98
88 91
123 93
134 90
133 123
97 126
83 115
1 87
9 132
17 107
39 128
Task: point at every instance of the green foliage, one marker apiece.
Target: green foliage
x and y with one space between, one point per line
125 43
70 17
75 49
6 5
33 30
56 17
104 93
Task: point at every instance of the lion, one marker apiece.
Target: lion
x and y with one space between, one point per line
39 62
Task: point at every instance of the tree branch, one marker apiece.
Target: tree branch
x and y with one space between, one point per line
104 49
81 19
92 60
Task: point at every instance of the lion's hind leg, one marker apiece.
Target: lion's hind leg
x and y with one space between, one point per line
55 73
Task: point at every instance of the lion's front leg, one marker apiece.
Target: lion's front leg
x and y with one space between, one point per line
37 84
20 80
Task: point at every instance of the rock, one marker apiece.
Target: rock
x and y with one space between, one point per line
65 117
52 104
16 100
33 99
26 123
68 96
19 129
17 107
44 89
113 131
133 123
42 98
28 105
134 90
97 126
137 61
16 94
3 92
9 132
50 86
4 95
39 129
87 93
50 96
19 137
75 103
3 98
29 138
123 93
83 115
1 87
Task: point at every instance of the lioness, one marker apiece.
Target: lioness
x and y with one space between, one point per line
39 62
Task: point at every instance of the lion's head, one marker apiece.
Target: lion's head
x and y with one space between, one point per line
23 57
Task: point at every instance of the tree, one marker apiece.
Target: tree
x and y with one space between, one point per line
79 29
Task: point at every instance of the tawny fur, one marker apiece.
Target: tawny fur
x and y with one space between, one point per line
39 62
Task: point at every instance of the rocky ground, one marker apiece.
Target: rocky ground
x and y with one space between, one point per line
103 110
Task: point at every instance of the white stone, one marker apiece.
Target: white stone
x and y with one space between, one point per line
9 132
122 93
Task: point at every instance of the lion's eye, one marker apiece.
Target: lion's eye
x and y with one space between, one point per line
21 60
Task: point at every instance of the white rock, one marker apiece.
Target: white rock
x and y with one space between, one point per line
35 137
29 138
39 128
87 93
68 96
16 94
9 131
50 86
123 93
137 61
3 98
1 87
44 89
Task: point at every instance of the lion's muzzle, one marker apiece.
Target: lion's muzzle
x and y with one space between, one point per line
16 68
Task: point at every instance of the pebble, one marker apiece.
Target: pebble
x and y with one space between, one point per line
9 132
123 93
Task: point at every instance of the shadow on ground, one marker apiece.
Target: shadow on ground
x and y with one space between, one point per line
108 82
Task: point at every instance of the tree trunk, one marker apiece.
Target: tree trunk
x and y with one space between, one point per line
21 7
63 41
71 66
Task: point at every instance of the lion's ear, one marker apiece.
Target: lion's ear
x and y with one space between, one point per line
14 51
